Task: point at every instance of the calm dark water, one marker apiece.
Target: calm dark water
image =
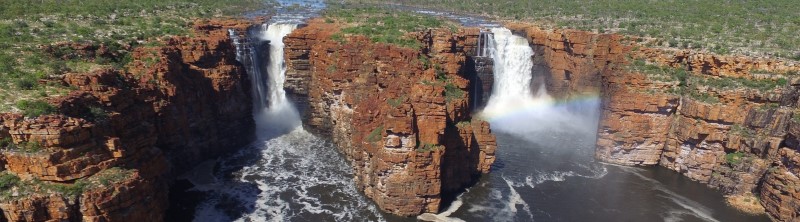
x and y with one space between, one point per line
551 176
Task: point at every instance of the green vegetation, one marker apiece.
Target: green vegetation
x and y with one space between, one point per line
742 131
463 124
734 158
696 86
11 9
742 27
96 114
26 147
427 147
35 108
702 96
381 25
769 106
376 135
426 62
762 85
109 176
24 188
8 180
36 37
396 102
451 91
660 73
71 190
29 147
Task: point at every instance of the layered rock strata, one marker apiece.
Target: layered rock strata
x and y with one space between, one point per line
401 116
722 120
122 135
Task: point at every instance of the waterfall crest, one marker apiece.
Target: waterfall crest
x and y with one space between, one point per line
519 105
273 113
512 67
513 106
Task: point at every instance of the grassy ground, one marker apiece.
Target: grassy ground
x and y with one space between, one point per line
380 25
27 27
762 28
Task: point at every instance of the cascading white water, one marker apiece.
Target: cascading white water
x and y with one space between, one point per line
274 114
513 107
512 67
288 174
276 66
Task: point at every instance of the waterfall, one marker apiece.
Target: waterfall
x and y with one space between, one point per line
276 67
515 106
273 112
513 65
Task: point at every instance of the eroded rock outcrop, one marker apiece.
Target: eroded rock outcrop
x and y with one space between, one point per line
408 134
121 136
721 120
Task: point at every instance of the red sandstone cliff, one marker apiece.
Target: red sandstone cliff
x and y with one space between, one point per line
408 135
720 120
120 136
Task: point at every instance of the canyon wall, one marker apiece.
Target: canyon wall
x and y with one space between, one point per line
722 120
401 116
121 136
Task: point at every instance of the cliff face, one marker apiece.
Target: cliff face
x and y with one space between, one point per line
408 133
123 135
724 121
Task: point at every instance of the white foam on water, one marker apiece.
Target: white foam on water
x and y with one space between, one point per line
297 177
445 215
500 207
515 199
596 172
542 177
288 174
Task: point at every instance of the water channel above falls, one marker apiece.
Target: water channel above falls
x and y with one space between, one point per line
545 172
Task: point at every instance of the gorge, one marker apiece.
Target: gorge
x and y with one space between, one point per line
305 116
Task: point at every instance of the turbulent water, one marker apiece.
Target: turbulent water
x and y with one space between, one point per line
287 174
545 170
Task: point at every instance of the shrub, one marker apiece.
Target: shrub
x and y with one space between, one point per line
734 158
25 83
8 180
375 135
70 190
396 102
427 147
30 147
36 108
742 131
5 142
96 114
451 92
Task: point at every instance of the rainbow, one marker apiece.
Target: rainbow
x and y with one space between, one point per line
518 108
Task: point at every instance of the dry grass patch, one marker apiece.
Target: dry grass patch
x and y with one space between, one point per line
747 203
